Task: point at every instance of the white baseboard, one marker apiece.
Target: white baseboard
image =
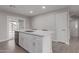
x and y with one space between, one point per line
4 40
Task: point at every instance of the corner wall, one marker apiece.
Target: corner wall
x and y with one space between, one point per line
3 24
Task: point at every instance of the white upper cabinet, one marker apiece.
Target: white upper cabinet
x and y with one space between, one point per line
62 28
44 22
61 19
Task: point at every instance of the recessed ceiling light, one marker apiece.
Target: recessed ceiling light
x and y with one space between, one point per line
43 7
31 11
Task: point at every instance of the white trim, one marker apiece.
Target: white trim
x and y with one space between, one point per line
4 40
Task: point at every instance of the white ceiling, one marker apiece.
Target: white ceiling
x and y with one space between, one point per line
37 9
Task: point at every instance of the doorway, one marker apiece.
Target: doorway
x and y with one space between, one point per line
15 24
12 27
74 27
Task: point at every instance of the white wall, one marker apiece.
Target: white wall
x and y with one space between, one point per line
28 23
3 27
3 24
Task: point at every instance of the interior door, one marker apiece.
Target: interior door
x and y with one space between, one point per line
62 27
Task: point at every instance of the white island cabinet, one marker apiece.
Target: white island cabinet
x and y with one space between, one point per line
34 43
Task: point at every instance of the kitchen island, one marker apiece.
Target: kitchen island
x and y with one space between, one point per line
36 42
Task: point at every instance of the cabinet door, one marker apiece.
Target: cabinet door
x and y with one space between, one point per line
28 43
37 44
21 39
62 27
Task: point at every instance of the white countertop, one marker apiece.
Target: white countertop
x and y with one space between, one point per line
39 32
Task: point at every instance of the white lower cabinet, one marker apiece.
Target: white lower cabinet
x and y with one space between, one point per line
21 39
31 43
37 44
28 43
